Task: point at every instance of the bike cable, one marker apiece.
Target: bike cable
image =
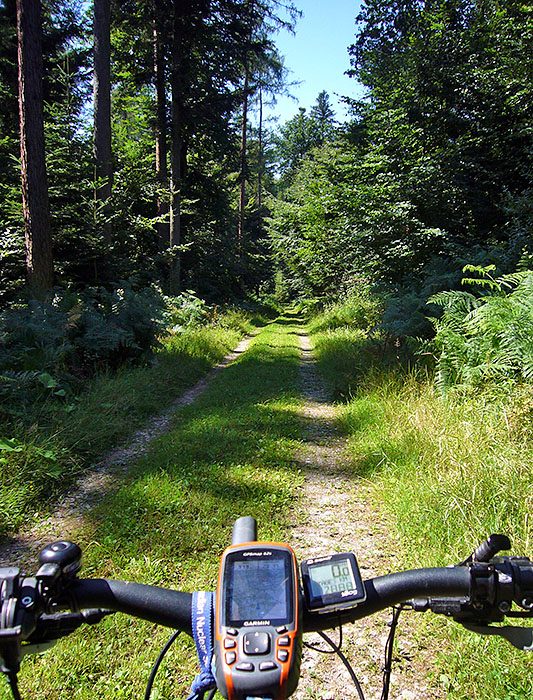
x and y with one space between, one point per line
314 647
389 649
13 684
345 661
157 664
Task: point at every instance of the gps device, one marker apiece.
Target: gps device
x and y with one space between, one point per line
332 583
258 630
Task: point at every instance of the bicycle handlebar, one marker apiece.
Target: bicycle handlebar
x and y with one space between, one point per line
386 591
474 593
161 606
172 608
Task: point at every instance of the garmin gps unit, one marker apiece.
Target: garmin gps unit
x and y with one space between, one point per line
258 631
332 583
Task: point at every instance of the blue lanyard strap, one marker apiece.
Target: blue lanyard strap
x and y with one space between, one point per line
202 629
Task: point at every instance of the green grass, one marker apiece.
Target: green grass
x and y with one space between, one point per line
447 473
67 436
228 454
361 310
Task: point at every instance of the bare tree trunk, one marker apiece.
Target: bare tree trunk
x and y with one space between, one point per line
161 167
176 144
260 155
35 204
243 162
102 113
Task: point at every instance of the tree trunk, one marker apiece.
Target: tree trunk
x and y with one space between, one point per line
161 167
35 204
103 165
260 154
243 163
181 8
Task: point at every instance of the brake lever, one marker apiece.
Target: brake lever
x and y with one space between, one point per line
520 637
51 628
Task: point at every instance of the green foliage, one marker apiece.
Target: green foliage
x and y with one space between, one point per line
70 336
31 470
486 336
448 472
295 140
185 310
49 435
348 215
350 344
361 310
436 162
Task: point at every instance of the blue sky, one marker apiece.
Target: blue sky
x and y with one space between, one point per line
317 55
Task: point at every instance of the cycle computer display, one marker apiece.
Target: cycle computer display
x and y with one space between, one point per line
258 627
332 582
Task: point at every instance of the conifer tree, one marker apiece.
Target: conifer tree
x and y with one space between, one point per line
39 262
102 112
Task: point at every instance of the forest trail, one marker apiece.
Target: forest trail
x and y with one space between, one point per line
340 515
91 487
333 511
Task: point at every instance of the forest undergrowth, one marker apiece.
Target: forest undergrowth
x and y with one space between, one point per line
448 469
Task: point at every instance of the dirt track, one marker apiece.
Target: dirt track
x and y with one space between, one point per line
338 515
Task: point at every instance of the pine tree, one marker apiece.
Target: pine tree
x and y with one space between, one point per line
39 262
102 113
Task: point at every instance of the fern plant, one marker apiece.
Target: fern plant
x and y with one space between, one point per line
46 347
184 311
488 335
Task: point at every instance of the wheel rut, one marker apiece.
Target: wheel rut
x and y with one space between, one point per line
106 476
339 514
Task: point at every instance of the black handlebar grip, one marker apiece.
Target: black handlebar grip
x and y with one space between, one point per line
386 591
492 545
244 530
159 605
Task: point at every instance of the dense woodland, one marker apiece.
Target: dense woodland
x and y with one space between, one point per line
160 170
141 186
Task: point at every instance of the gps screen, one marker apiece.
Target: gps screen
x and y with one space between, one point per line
258 589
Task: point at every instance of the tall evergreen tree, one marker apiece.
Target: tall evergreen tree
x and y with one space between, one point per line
39 262
158 9
102 113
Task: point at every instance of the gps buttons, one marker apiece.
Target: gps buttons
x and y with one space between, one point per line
245 667
267 666
283 655
231 657
256 643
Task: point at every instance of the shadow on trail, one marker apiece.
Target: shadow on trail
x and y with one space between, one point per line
230 453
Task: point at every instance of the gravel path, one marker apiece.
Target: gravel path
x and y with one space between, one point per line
23 547
340 515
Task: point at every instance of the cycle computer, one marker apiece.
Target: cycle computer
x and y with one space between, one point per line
332 582
258 633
